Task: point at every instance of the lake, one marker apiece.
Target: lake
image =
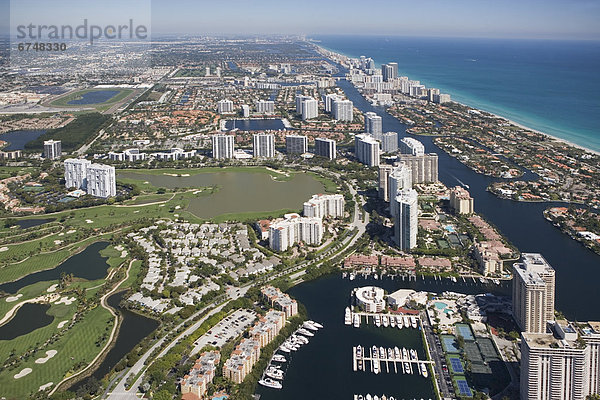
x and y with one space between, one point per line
239 191
28 223
255 124
18 139
88 264
94 97
29 317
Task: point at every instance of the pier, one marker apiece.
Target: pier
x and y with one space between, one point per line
390 364
366 316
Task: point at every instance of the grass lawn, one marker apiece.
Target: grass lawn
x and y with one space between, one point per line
251 216
79 346
135 270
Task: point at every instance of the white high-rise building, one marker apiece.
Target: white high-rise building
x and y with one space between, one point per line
533 293
383 175
461 201
284 233
389 142
400 178
296 144
225 106
424 168
342 110
101 180
222 146
406 221
310 108
265 107
263 145
387 71
76 172
562 364
245 110
299 99
52 149
373 125
325 148
328 100
412 146
366 149
324 205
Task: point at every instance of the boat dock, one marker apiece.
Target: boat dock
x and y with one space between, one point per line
372 316
391 364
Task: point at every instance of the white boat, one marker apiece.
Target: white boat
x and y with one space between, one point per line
390 353
381 352
482 280
392 321
301 339
453 278
399 323
406 321
413 354
413 322
375 397
274 373
352 276
356 321
279 358
374 352
359 351
360 397
315 324
375 276
268 382
376 366
368 397
348 316
310 326
377 321
396 353
424 370
304 332
405 354
386 321
285 349
406 365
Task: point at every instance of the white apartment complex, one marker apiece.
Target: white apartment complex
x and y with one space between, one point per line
222 146
389 142
406 221
284 233
400 178
296 144
342 110
412 146
225 106
373 125
265 107
366 149
101 180
325 148
461 201
76 172
310 108
325 205
263 145
424 168
52 149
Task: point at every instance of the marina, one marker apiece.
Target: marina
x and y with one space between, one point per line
391 360
397 321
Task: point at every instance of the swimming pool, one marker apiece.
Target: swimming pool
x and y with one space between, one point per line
450 228
440 305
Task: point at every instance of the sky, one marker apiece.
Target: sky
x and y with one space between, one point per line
545 19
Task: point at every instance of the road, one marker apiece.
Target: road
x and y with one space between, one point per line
437 356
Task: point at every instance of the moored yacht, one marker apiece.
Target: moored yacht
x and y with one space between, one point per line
356 321
424 370
348 316
279 358
413 321
399 323
386 321
413 354
268 382
274 373
304 332
406 321
377 321
392 321
315 324
390 353
381 352
396 353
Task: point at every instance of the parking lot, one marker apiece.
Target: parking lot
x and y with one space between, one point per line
228 328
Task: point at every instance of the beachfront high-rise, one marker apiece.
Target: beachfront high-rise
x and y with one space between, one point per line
373 125
222 146
76 172
296 144
389 142
342 110
533 288
366 149
52 149
225 106
263 145
406 221
424 167
325 148
324 205
101 180
411 146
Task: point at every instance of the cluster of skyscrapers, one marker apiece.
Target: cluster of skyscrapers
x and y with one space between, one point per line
559 359
96 179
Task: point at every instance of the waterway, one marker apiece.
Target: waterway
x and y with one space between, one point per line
28 223
239 191
88 264
18 139
271 124
577 267
29 317
134 328
94 97
323 368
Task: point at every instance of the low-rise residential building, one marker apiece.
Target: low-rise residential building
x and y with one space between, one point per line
284 233
280 300
201 374
461 201
242 359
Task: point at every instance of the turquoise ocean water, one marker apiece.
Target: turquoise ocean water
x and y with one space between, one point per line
550 86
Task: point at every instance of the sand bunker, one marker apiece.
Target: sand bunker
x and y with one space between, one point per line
3 248
89 221
49 355
61 234
13 298
58 241
123 253
66 300
52 288
24 372
61 324
46 386
71 231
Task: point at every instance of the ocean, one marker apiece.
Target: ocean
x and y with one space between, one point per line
548 85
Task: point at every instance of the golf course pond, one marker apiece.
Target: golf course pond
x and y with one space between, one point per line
239 191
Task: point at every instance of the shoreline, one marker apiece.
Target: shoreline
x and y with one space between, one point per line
478 108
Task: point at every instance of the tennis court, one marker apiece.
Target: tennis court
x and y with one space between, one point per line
456 365
488 351
472 353
465 331
463 387
449 344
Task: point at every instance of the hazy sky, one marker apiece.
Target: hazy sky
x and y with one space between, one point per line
567 19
